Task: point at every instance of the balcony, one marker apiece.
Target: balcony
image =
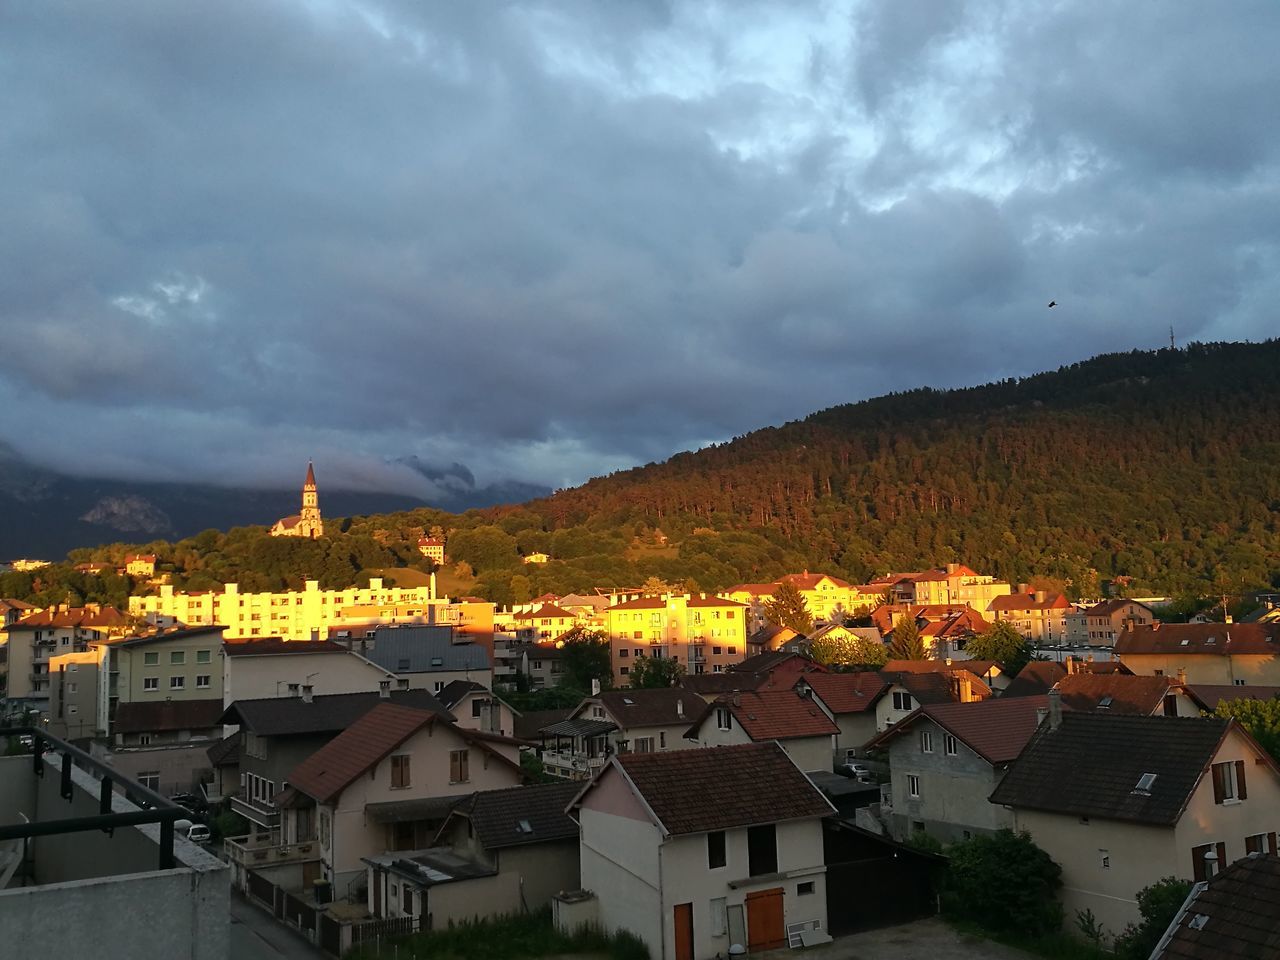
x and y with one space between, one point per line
264 849
573 761
263 816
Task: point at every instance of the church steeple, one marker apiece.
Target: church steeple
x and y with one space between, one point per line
310 482
309 522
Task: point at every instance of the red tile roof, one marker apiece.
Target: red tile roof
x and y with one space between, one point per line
104 618
1028 601
712 601
995 730
642 603
331 769
847 692
546 611
696 791
777 715
1115 693
1209 639
1211 694
755 589
810 581
943 574
1036 677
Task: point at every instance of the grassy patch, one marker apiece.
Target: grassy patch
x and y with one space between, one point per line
507 938
1051 946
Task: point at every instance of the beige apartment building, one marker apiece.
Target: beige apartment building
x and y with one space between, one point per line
1037 615
958 585
706 634
36 637
1234 654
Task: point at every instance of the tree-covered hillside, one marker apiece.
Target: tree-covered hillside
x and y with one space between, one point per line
1157 469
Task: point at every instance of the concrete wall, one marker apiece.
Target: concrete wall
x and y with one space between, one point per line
267 675
180 766
543 870
619 863
953 790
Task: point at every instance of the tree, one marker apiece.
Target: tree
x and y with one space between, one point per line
788 609
1005 883
907 643
585 656
1261 718
1158 904
1004 644
521 588
655 672
848 651
655 587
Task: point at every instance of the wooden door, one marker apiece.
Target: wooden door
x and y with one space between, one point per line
765 927
684 931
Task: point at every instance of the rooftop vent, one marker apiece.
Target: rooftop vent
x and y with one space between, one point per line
1198 921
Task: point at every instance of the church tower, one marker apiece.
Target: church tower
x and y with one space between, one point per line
309 522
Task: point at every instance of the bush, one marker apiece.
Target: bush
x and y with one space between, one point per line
1004 883
1158 904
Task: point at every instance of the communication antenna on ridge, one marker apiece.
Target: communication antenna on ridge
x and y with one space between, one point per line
1173 344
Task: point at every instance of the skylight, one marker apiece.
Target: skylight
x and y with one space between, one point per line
1145 783
525 826
1106 702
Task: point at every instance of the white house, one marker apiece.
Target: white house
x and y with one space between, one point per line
697 850
272 667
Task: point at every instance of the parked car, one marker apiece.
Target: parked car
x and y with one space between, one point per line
198 833
857 770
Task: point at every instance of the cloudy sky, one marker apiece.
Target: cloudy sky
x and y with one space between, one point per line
552 239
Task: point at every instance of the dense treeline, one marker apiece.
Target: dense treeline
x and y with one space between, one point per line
1157 470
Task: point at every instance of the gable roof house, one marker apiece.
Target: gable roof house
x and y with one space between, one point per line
1120 801
1234 915
911 689
429 657
850 700
795 722
1124 693
476 707
1204 653
389 780
498 853
617 721
944 761
1101 624
695 850
1037 615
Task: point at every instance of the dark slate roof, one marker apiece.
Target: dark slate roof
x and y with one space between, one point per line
1211 694
997 730
1234 916
719 788
168 715
530 723
500 817
764 662
931 687
451 693
1116 692
1035 679
330 713
226 752
1091 764
845 693
425 649
728 682
654 707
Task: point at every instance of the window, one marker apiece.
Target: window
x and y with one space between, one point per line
733 651
399 772
408 900
762 850
71 688
716 857
1228 782
805 889
149 659
475 708
662 739
950 746
1104 859
901 701
1207 860
177 683
459 761
177 657
150 779
644 745
1239 683
144 739
637 635
73 710
926 741
913 786
724 718
1260 843
202 681
203 656
439 685
623 653
624 670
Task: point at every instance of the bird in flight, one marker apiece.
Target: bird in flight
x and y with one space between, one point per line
1053 303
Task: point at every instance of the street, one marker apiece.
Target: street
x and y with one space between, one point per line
256 936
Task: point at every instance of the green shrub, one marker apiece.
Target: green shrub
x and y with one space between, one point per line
1003 883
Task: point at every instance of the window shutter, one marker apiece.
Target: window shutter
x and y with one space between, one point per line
1197 862
1240 790
1271 843
1219 788
1222 858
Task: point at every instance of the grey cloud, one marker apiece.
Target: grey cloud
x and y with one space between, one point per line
551 239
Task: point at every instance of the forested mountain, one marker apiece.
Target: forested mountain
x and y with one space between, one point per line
1157 469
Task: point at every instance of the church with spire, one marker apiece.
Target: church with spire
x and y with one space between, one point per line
308 522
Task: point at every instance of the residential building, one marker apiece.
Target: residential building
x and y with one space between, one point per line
272 667
279 733
695 850
955 584
547 622
770 637
499 853
908 690
140 566
432 548
946 638
130 889
73 695
826 597
1037 615
13 610
850 700
780 666
706 634
476 707
36 637
1234 913
1121 801
429 657
536 557
176 665
304 614
799 725
1101 624
378 785
617 721
163 745
988 671
1230 654
306 522
1122 693
1035 679
946 758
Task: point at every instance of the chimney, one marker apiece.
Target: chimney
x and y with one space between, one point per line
1041 596
384 689
1055 709
1072 666
952 567
680 709
966 689
1182 676
1041 713
307 693
595 687
1024 588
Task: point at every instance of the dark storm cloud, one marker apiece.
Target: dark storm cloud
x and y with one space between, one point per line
547 240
